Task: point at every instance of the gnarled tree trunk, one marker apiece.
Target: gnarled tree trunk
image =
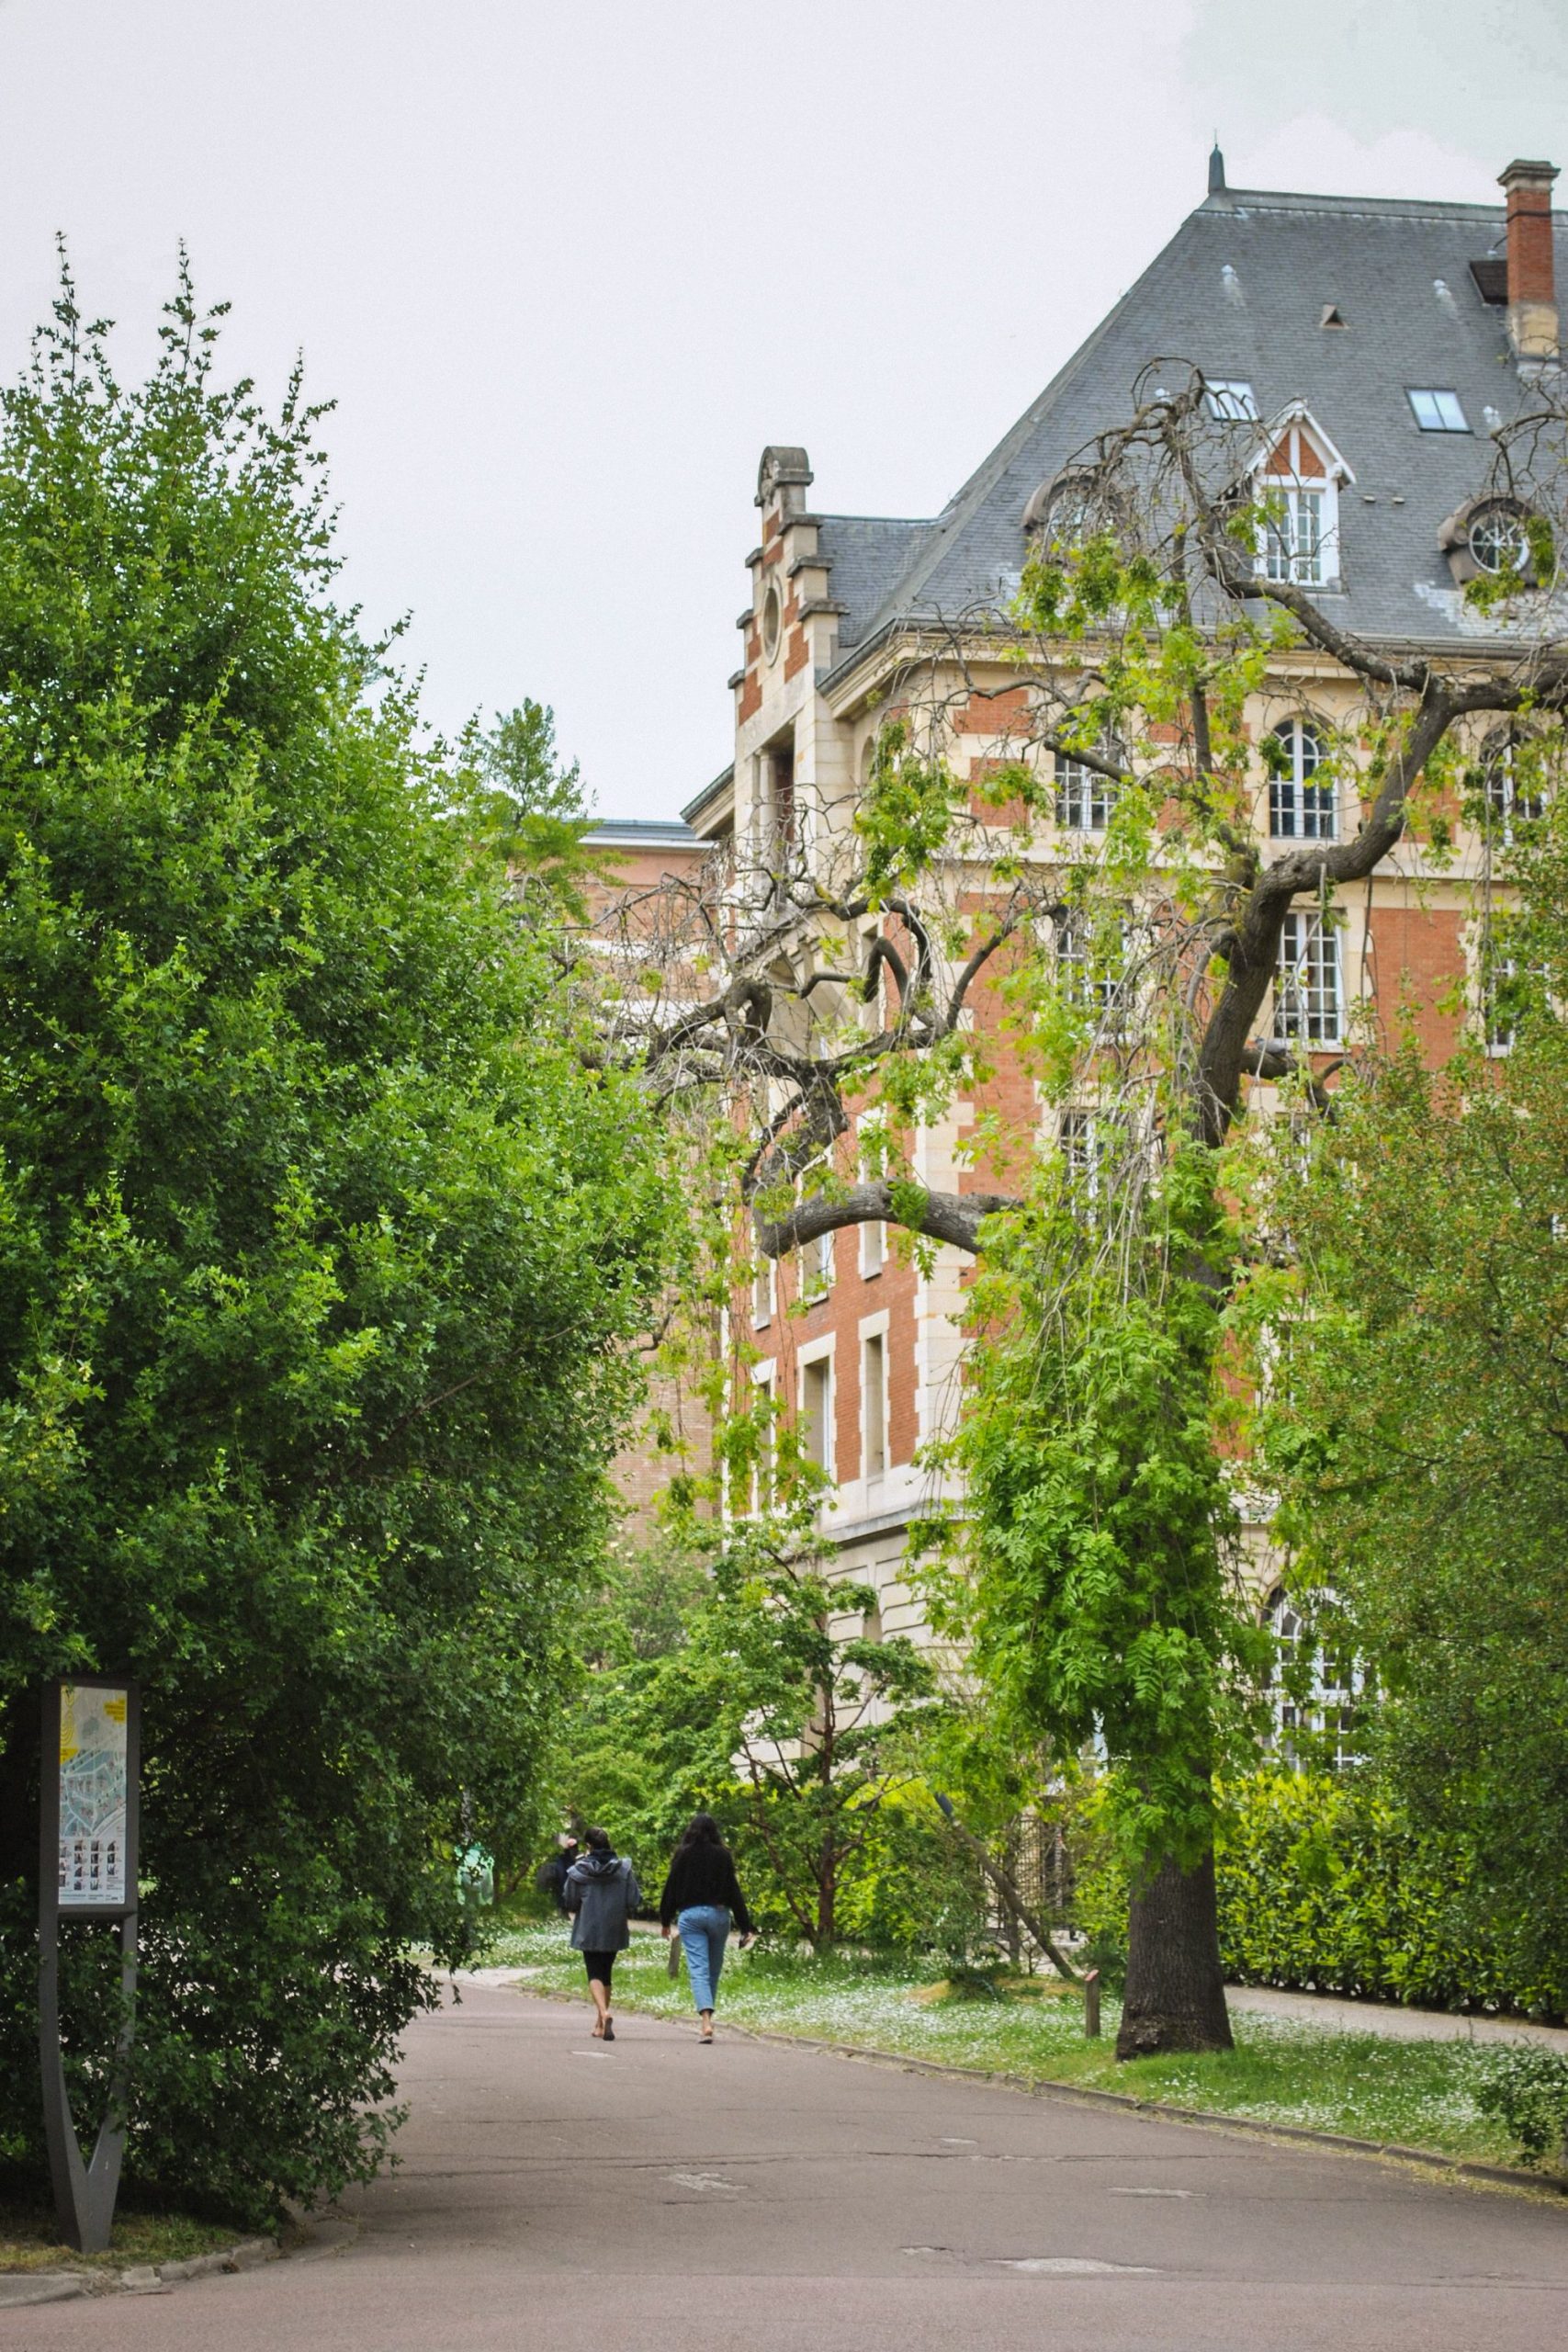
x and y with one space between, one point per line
1176 1996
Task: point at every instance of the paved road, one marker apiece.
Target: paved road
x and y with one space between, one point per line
657 2197
1386 2017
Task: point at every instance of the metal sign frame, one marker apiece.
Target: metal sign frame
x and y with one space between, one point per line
85 2193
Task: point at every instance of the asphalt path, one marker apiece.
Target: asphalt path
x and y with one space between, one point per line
658 2196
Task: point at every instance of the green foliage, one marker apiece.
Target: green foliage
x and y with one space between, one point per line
1527 2090
319 1254
1415 1427
1096 1588
906 815
530 810
767 1709
1327 1883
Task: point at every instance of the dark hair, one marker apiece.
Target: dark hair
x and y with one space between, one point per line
701 1830
599 1839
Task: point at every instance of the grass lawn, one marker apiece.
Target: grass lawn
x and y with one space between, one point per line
29 2238
1419 2094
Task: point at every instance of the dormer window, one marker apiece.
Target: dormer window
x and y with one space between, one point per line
1061 510
1231 401
1439 412
1293 536
1497 540
1297 485
1485 536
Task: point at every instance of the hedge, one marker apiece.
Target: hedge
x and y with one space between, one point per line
1326 1886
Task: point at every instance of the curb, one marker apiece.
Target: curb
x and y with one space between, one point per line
1461 2167
315 2240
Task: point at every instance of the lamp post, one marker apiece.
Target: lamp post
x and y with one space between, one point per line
88 1839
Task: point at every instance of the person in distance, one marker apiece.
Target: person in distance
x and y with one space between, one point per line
702 1896
600 1892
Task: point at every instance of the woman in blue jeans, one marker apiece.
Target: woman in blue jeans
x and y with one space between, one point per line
701 1897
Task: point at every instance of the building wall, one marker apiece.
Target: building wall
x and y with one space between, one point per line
1403 951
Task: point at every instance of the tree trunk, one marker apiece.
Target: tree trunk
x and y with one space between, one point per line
1176 1996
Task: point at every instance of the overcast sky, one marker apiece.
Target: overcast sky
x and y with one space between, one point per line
566 269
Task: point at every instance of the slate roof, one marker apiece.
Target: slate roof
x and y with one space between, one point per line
641 832
867 552
1240 291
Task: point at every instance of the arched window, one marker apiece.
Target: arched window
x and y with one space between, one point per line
1300 807
1312 1696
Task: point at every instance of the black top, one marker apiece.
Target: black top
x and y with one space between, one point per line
703 1874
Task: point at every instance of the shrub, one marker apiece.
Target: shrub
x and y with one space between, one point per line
1325 1882
1326 1885
1526 2091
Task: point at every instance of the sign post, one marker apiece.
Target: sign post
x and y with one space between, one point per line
92 1740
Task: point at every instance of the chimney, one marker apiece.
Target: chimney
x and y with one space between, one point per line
1532 294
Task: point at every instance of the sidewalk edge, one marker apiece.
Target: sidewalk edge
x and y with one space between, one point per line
1464 2168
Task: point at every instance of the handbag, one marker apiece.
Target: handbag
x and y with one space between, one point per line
673 1962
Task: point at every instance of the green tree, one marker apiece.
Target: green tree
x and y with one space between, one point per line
1098 1577
531 808
800 1733
1419 1415
320 1252
854 986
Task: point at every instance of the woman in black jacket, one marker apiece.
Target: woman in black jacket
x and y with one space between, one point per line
700 1895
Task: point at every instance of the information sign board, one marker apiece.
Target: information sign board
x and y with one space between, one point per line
94 1799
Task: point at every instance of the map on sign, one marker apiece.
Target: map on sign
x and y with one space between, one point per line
93 1795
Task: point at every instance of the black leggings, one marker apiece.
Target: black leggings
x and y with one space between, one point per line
600 1965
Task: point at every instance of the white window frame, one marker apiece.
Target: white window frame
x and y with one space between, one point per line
1089 1138
1494 964
818 1353
1500 1041
1291 818
815 1265
1295 538
765 1468
1309 1717
764 1284
1299 545
1106 994
873 1332
1505 807
1085 799
1231 400
1309 981
873 1255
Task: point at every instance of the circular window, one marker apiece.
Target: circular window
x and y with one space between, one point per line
1497 540
771 620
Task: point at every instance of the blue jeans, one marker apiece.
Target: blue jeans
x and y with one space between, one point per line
704 1930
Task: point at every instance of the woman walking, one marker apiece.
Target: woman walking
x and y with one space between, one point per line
701 1897
600 1892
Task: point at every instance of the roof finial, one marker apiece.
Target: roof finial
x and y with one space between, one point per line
1216 169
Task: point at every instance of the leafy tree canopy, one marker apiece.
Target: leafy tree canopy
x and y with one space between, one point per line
319 1254
1418 1412
779 1705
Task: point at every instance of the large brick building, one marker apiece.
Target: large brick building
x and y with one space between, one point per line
1378 346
